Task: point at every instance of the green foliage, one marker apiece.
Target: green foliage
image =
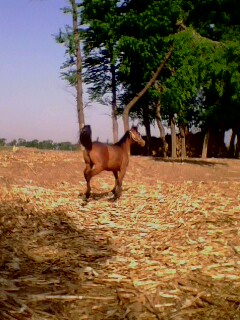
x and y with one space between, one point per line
188 67
44 145
217 20
100 21
217 64
2 142
144 26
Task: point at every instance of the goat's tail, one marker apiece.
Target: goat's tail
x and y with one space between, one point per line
86 137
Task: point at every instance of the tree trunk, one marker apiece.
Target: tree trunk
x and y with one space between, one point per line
221 145
78 64
237 152
114 104
114 125
144 90
183 142
146 123
161 128
173 137
205 144
232 145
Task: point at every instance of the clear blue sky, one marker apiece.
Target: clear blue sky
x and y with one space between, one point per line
35 103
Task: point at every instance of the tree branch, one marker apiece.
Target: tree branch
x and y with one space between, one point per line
195 34
144 90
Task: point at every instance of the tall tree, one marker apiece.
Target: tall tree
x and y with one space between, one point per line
145 24
73 65
101 57
219 21
181 84
77 49
140 94
159 119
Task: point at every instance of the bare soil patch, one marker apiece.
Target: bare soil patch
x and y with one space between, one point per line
169 248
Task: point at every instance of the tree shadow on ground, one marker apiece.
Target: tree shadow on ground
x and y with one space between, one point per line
54 268
49 265
200 162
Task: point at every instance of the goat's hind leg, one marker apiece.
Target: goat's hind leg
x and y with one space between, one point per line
88 176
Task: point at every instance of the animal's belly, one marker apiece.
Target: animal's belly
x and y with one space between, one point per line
114 163
116 159
113 167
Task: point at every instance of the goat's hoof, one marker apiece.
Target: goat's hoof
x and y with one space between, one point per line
116 197
85 197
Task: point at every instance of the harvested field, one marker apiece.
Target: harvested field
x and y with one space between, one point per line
169 248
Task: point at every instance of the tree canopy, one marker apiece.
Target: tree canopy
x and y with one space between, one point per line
125 42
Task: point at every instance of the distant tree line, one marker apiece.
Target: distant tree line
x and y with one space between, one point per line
45 144
168 63
158 148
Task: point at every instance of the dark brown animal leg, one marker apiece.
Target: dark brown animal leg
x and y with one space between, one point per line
88 176
115 173
119 185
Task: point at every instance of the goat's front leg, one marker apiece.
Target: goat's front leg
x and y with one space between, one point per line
115 173
118 189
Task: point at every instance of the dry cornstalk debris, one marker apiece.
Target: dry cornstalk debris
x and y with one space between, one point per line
43 297
165 250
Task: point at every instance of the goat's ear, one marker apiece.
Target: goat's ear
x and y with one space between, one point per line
135 128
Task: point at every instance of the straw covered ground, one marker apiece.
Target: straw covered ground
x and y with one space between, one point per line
169 248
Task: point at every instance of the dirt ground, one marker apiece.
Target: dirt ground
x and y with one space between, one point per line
169 248
48 169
